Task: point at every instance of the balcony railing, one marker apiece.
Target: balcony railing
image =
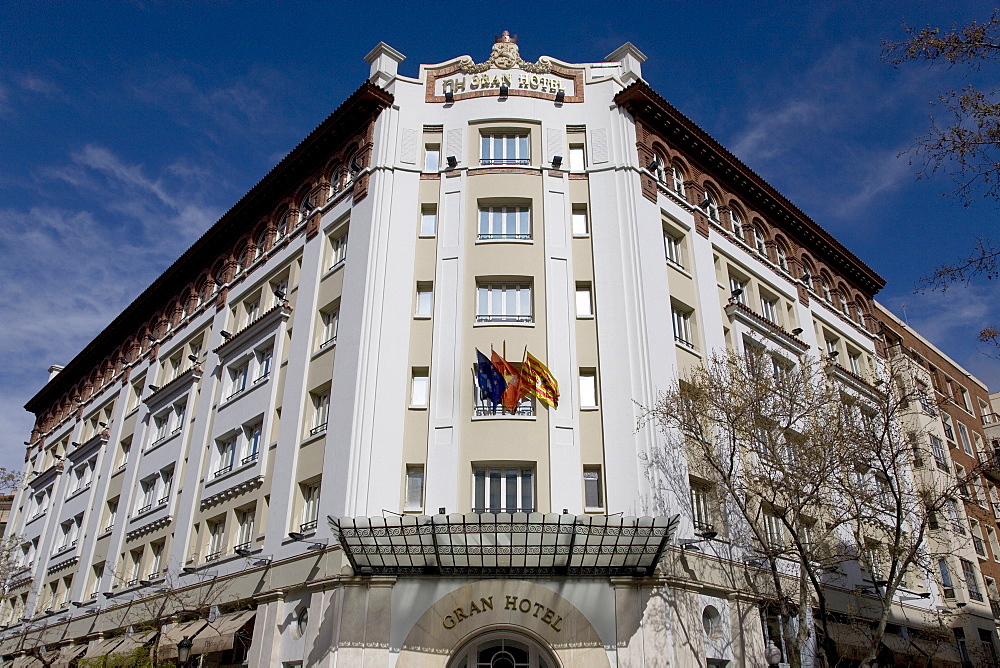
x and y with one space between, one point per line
212 556
509 235
499 511
504 161
261 378
242 546
223 471
144 509
308 526
109 527
523 410
317 429
328 342
991 418
133 582
163 500
249 458
503 318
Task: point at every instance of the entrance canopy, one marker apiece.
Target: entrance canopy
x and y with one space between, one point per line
504 544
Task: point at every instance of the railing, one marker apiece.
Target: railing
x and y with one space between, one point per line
503 318
504 161
995 605
223 471
941 464
498 511
94 595
144 509
702 526
249 458
308 526
177 429
242 546
212 556
236 393
683 341
109 527
524 410
163 500
514 235
328 342
991 418
261 378
133 582
317 429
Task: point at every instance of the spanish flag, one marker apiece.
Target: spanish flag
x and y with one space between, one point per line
538 380
515 389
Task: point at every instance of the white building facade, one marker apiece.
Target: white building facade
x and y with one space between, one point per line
281 451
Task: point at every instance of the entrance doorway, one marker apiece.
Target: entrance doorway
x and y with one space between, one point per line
502 649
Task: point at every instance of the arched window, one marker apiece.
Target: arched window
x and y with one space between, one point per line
759 242
677 178
658 167
711 205
824 283
808 274
261 241
737 223
282 228
307 204
782 255
502 649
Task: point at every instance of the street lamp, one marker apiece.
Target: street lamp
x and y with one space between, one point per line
771 654
184 650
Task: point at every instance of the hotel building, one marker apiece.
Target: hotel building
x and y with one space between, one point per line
280 450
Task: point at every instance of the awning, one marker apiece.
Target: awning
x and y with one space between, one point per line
505 543
66 655
905 653
25 661
220 634
167 647
104 647
133 641
852 642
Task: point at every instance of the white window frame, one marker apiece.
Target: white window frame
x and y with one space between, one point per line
432 158
424 307
413 500
505 147
338 248
494 486
428 220
593 488
584 301
581 221
330 321
673 248
502 302
505 223
577 157
681 321
588 389
419 387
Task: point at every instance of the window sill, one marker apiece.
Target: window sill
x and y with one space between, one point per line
36 518
679 269
242 393
78 492
597 509
585 317
421 317
426 236
503 324
589 408
120 469
504 416
160 443
416 408
688 348
147 513
334 269
229 474
581 236
106 532
132 411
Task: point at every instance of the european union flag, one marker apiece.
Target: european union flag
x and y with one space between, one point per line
491 382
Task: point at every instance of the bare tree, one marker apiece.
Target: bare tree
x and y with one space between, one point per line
813 473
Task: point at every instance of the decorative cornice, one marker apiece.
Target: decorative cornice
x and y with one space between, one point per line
504 56
281 311
644 103
62 565
232 492
734 309
149 528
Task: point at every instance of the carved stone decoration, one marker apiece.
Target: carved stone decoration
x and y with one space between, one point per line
505 56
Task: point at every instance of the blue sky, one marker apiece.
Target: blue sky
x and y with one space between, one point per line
126 129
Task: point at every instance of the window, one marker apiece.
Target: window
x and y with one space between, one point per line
338 248
112 514
226 449
330 320
855 361
584 301
874 559
581 224
216 538
774 530
971 580
252 310
951 508
977 538
702 513
677 179
593 490
253 434
504 302
672 245
264 357
506 149
769 308
588 388
244 528
737 224
414 488
160 426
963 433
238 378
738 290
782 255
321 411
432 157
991 536
180 409
759 241
682 325
937 449
577 158
504 222
503 490
989 649
144 501
157 561
711 206
419 382
310 506
425 300
428 220
135 571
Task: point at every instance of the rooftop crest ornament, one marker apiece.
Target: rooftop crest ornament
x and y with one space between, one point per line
505 56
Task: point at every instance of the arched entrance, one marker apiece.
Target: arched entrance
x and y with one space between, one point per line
502 649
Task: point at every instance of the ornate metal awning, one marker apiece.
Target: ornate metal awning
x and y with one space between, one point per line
504 544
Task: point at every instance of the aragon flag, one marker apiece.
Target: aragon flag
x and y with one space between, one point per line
491 382
515 389
538 380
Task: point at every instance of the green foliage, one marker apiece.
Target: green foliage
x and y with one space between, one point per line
140 657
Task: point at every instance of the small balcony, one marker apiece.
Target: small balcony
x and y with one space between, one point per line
250 458
308 526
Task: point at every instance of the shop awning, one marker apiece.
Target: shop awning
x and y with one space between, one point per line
24 661
220 634
66 655
133 641
514 543
167 647
104 647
